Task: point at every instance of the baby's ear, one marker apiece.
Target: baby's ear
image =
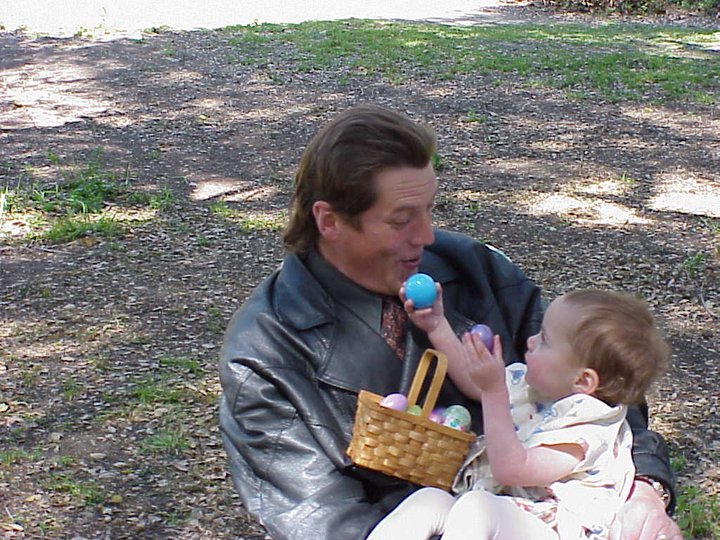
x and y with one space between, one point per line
587 381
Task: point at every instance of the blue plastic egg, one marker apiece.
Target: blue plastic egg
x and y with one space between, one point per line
420 288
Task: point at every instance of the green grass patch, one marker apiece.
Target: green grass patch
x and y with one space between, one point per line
611 62
697 513
85 491
170 441
84 199
248 222
221 209
253 223
181 364
695 264
165 392
154 391
713 225
67 229
15 456
473 116
162 200
70 389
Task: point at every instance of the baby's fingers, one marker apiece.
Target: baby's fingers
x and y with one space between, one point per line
475 344
497 349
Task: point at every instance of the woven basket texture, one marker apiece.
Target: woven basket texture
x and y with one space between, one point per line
406 446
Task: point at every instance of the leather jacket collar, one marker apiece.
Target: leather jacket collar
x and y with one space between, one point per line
303 304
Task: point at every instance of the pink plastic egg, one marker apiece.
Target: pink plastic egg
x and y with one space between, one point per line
437 415
398 402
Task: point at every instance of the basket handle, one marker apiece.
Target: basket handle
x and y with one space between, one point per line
437 380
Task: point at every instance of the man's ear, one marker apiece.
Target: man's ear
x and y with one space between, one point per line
326 219
587 381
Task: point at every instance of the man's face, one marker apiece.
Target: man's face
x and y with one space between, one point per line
386 249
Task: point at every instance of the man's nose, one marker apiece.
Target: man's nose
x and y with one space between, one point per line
423 234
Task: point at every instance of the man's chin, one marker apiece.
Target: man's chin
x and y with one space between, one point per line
408 268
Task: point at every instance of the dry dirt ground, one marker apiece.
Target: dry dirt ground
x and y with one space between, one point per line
108 347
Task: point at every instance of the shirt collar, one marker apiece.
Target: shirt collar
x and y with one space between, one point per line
363 303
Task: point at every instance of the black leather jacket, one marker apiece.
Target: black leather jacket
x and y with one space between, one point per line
293 361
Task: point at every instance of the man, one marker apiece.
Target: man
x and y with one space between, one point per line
321 328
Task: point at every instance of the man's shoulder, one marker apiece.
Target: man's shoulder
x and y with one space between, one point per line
451 239
275 317
454 254
290 295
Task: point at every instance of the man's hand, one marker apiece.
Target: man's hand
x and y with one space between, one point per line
643 517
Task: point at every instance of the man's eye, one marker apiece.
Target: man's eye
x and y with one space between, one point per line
399 223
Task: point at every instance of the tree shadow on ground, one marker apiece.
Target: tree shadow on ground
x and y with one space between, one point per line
110 345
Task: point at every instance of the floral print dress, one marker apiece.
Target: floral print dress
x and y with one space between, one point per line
583 504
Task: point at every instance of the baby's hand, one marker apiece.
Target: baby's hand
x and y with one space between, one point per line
486 370
427 319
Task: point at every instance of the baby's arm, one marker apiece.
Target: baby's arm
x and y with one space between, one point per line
480 375
510 462
433 321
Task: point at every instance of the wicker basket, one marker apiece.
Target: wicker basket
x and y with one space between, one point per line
406 446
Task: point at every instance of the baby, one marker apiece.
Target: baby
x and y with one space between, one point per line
555 458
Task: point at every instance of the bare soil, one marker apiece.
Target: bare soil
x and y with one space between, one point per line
108 348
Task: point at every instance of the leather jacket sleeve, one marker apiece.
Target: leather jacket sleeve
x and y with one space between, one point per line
283 474
650 452
285 429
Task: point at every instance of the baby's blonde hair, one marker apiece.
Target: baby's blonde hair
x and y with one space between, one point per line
615 335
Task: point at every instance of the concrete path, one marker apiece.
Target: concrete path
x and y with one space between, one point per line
98 17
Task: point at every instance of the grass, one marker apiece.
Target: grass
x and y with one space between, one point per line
695 264
221 209
697 513
154 391
182 364
166 388
84 201
473 116
171 441
67 229
70 389
248 222
14 456
610 62
251 223
85 491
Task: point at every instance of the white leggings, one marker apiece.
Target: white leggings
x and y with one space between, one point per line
476 515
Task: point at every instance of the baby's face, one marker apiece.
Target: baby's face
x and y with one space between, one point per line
551 367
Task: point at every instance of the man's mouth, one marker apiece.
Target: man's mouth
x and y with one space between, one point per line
411 264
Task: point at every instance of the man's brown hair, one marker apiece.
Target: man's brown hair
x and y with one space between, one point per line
341 161
616 336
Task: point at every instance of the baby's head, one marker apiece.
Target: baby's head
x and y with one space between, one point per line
616 336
